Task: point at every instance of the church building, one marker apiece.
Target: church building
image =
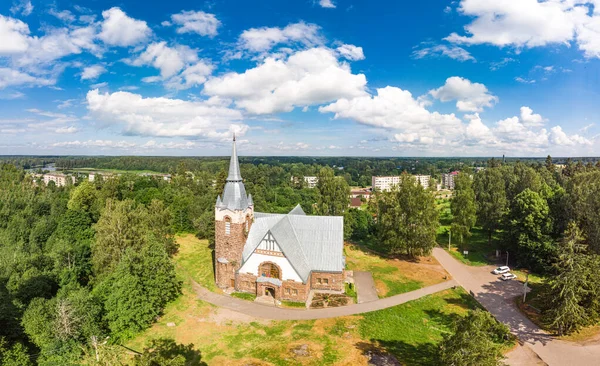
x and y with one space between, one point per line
280 255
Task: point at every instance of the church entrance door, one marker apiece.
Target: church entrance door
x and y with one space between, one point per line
270 291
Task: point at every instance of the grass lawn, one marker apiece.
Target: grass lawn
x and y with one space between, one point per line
195 260
410 331
244 296
477 244
394 276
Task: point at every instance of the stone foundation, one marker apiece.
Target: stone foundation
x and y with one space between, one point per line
327 281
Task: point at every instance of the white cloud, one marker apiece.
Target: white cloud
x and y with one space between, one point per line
95 143
64 15
22 6
477 132
451 51
92 72
559 137
199 22
11 96
309 77
10 77
180 67
14 35
530 119
67 130
120 30
500 64
470 97
524 81
65 103
165 117
264 39
351 52
532 23
327 4
396 109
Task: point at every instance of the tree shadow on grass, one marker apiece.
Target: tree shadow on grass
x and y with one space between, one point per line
402 352
164 351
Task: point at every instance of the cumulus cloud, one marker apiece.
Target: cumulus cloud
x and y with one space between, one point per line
118 29
351 52
92 72
14 35
265 38
530 119
327 4
95 143
199 22
532 23
67 130
180 67
164 117
470 97
442 50
396 109
308 77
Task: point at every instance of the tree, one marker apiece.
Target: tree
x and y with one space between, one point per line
15 355
477 340
407 220
166 352
583 198
84 198
550 165
335 193
571 284
463 207
490 195
139 288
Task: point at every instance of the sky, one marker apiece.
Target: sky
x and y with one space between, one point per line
300 77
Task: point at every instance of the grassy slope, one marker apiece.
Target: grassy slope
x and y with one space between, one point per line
394 276
409 331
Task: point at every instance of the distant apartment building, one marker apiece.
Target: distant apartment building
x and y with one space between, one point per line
59 179
448 179
361 193
311 182
386 183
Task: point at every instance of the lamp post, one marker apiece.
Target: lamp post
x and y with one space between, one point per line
449 238
507 258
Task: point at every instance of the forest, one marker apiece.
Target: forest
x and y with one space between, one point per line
92 262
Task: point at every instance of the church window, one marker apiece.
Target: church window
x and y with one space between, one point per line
227 226
326 281
287 290
295 292
319 280
269 270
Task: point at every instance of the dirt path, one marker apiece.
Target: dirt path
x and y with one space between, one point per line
267 312
498 298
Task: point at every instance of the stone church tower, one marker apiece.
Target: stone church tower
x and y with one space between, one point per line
234 214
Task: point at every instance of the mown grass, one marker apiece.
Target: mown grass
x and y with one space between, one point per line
476 245
412 331
244 296
293 304
195 260
394 276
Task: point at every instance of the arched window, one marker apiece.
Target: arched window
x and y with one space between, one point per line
227 225
269 270
247 223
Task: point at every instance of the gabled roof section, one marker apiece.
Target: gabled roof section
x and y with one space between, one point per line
310 243
297 210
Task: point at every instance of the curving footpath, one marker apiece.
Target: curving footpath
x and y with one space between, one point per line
272 313
498 298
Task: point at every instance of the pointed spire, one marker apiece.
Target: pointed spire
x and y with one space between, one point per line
250 201
234 165
219 202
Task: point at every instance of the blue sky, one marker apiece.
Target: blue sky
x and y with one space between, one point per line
301 77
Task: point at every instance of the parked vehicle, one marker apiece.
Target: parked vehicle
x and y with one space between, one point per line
501 270
507 276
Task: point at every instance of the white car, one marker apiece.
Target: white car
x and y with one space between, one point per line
507 276
501 270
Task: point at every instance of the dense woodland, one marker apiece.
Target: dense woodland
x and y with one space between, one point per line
92 262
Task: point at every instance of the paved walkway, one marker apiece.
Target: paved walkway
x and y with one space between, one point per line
498 298
365 287
267 312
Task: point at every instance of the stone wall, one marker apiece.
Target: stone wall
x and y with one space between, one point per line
327 281
246 283
229 247
294 291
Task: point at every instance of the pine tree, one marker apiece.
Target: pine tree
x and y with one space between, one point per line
463 207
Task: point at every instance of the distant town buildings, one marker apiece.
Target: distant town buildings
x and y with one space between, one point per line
59 179
361 193
311 182
448 179
386 183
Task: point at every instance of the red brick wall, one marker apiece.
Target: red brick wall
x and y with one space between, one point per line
229 247
300 296
335 281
